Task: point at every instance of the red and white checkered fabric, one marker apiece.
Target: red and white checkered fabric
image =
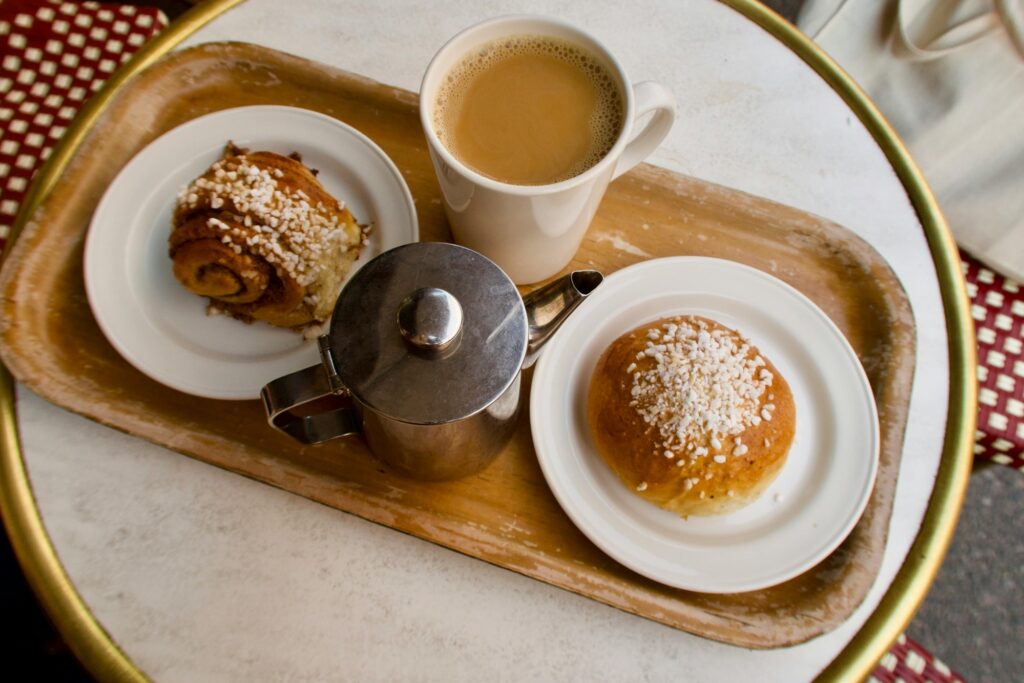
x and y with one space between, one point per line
908 662
53 55
998 312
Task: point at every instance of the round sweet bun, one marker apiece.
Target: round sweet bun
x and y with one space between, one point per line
690 415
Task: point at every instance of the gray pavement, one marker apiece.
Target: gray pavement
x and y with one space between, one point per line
973 617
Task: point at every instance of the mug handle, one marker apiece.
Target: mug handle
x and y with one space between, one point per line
649 96
291 391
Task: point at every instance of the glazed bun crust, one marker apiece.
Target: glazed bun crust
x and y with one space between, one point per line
696 470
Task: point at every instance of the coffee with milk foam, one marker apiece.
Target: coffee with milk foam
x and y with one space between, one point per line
529 110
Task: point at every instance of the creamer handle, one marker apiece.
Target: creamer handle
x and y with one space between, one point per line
284 394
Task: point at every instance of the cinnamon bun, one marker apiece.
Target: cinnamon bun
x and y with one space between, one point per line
262 239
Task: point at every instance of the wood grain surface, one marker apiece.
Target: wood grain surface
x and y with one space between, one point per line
505 515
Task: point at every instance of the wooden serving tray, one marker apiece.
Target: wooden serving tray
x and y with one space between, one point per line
505 515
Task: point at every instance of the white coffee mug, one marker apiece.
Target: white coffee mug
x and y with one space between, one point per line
533 231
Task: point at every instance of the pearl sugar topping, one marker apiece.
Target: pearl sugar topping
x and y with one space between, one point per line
281 226
705 384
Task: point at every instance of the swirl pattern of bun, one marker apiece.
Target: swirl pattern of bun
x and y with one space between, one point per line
690 415
262 239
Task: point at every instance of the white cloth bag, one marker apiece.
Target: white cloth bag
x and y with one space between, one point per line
949 76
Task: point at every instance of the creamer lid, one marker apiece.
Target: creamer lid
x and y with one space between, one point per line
428 333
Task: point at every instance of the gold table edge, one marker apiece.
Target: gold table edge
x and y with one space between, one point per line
102 657
910 585
86 638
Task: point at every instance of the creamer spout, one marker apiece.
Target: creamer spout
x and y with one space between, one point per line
548 307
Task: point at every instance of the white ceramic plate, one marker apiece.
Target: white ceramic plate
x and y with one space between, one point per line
160 327
823 487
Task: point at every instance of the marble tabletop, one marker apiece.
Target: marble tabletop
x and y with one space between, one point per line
199 574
